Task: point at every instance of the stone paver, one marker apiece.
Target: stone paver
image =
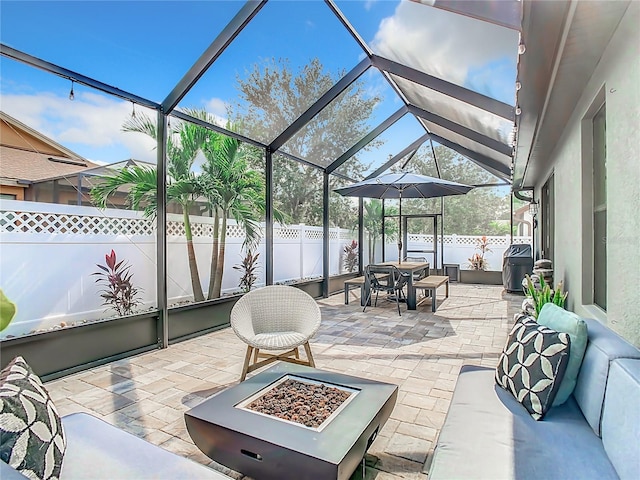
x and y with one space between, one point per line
421 352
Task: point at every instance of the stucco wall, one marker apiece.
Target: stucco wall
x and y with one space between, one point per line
13 190
617 80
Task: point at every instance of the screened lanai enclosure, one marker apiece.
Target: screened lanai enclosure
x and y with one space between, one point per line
218 132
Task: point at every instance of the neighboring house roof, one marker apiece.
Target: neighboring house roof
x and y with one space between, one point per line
99 170
521 211
26 154
23 165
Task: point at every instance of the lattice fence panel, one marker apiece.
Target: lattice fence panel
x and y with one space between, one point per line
235 231
175 229
62 223
318 234
521 239
286 233
420 238
467 240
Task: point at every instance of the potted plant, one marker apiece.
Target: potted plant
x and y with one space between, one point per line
248 269
479 266
539 295
351 256
7 311
119 292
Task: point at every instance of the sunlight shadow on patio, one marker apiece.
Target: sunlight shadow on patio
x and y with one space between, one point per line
421 352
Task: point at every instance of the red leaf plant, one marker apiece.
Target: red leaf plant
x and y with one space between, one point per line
118 293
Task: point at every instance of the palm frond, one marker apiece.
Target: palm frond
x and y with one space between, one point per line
142 181
141 123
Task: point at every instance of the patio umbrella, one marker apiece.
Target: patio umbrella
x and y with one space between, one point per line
403 185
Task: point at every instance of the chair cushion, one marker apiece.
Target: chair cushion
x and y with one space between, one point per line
621 417
604 346
100 451
277 340
487 434
561 320
532 364
31 433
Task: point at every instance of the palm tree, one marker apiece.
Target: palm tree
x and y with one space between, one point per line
183 187
373 224
234 191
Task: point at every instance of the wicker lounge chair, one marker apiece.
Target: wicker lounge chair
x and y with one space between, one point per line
275 318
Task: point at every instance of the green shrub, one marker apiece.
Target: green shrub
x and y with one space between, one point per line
545 295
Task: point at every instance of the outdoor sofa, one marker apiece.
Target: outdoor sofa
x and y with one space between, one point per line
40 444
594 434
98 450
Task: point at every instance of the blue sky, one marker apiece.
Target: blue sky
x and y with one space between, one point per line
146 47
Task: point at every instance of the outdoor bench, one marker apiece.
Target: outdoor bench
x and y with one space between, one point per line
356 282
98 450
487 434
431 283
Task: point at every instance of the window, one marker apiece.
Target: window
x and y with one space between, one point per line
600 209
8 196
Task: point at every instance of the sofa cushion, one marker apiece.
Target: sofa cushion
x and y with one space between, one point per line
532 365
487 434
8 473
98 450
621 417
31 433
604 346
561 320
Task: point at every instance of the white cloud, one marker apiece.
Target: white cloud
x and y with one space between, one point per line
442 43
218 108
90 125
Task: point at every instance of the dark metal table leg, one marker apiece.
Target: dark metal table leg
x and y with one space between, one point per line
433 299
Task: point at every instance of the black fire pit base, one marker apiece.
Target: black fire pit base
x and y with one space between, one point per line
265 447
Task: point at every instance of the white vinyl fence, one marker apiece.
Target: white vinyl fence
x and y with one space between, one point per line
458 249
48 253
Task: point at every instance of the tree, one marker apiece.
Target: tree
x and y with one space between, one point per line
229 186
372 219
183 188
236 192
472 214
271 97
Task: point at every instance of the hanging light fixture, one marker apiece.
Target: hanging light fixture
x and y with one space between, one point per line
133 110
533 208
71 94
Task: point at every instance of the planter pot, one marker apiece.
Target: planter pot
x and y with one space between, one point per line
481 277
58 353
312 287
61 352
196 319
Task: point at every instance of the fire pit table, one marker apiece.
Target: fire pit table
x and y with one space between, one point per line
292 422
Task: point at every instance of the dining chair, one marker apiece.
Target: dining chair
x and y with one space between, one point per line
422 273
387 279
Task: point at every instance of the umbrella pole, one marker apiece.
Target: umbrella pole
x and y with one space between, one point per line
400 231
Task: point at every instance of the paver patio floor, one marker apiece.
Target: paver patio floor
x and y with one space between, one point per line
420 351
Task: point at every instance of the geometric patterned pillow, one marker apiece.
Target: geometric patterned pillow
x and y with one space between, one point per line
532 365
31 437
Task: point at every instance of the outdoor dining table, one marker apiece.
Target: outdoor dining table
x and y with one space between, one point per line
408 268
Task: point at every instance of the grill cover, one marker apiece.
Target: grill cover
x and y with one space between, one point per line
516 263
